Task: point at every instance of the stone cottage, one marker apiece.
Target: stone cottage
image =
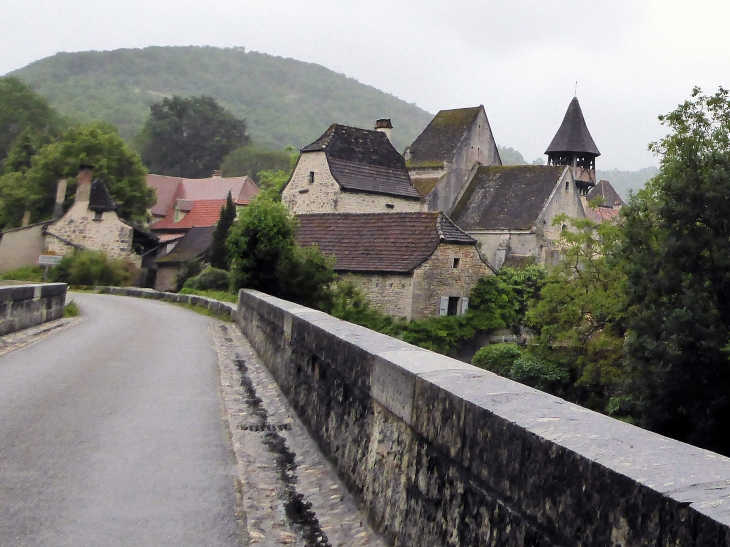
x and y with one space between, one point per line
411 265
609 206
92 223
351 170
441 160
193 245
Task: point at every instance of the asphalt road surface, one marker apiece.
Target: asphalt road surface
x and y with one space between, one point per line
111 433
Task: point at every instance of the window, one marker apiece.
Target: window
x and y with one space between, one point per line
453 305
456 262
453 308
567 185
390 205
311 177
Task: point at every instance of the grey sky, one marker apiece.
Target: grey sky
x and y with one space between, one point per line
633 60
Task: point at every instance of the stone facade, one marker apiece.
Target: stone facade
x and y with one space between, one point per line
167 275
94 231
451 272
324 194
391 294
443 453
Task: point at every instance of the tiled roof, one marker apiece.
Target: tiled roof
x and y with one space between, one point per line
573 134
602 214
608 193
99 198
203 213
194 244
442 136
166 187
364 160
166 238
379 242
242 190
506 197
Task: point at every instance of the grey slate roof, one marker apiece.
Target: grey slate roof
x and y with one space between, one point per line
506 197
607 192
99 198
573 134
379 242
194 244
438 142
364 160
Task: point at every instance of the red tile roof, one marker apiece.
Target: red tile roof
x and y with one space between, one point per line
603 214
379 242
169 189
203 213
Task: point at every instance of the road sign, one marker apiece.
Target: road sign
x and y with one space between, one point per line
49 260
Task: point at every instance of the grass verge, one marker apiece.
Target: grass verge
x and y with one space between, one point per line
71 309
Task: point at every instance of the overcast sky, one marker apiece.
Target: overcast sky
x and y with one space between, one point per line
632 59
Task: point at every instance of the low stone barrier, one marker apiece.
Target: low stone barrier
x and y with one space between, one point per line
226 309
23 306
443 453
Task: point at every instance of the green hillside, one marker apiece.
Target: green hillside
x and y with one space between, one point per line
285 102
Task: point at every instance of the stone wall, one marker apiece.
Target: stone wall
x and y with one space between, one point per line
324 195
391 294
20 247
23 306
226 309
443 453
437 277
109 235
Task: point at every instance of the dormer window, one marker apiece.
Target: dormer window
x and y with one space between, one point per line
311 177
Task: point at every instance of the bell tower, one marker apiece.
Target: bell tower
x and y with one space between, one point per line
574 146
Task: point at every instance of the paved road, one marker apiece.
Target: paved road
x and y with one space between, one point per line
111 433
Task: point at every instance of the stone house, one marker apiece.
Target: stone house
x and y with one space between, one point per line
193 245
441 160
510 211
351 170
609 208
411 265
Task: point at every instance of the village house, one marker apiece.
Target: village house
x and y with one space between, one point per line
351 170
91 223
609 206
193 245
510 210
442 158
411 265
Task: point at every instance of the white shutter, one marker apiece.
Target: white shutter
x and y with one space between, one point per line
464 305
444 305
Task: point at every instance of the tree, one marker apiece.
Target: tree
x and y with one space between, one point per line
265 257
23 110
677 247
579 318
218 249
251 160
189 137
98 145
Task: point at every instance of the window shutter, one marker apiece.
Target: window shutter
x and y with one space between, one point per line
444 305
464 305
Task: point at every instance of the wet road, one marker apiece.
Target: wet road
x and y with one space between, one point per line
111 433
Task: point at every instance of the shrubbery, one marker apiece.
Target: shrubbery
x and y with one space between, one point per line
93 268
210 279
511 361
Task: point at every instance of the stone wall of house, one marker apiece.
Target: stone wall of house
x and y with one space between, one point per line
23 306
443 453
478 146
566 200
167 275
20 247
437 277
324 195
391 294
109 235
497 245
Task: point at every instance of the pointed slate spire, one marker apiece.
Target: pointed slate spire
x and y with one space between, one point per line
573 136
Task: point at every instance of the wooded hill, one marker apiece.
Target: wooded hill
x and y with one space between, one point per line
285 102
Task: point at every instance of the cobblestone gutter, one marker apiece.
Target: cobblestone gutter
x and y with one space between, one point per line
291 495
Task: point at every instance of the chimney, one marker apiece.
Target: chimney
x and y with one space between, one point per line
60 197
217 174
83 190
386 127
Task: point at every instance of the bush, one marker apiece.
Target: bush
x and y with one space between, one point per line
497 358
93 268
210 279
190 269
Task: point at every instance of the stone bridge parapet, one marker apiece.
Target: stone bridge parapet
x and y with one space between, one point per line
444 453
23 306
